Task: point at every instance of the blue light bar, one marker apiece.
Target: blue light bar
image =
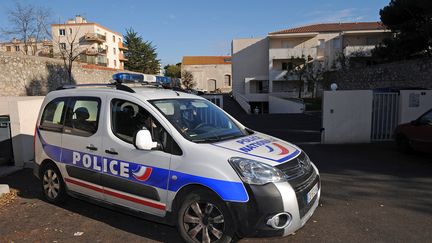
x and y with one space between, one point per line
128 77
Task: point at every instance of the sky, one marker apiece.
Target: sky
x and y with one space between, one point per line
200 27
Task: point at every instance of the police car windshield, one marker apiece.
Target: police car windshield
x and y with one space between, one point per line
198 120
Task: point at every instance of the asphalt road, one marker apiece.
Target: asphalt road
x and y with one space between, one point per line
370 193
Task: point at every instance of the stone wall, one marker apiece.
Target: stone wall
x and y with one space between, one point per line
29 75
411 73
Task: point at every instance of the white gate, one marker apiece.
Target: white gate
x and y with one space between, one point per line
385 108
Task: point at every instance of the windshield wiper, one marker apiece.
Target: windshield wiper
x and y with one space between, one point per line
206 140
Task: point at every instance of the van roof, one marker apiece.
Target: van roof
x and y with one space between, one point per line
146 93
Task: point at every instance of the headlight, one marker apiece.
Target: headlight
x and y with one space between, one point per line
254 172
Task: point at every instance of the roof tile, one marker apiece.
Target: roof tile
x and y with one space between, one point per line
333 27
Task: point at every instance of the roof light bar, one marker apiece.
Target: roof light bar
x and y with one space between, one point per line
128 78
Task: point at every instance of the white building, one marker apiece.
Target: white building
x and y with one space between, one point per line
211 73
259 65
98 45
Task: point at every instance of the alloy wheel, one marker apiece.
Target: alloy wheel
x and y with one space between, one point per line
203 222
51 184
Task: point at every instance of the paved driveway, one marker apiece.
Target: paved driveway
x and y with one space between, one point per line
369 193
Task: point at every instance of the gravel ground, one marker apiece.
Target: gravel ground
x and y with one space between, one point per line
370 193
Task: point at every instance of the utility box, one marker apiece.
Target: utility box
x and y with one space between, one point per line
6 153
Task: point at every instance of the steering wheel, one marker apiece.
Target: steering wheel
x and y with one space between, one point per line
201 125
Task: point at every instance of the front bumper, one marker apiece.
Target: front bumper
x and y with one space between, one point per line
270 199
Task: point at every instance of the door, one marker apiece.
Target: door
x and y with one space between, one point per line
6 155
211 84
81 145
421 132
139 178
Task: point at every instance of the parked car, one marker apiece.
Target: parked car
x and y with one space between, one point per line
416 135
172 157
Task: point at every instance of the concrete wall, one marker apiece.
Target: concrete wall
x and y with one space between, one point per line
411 73
249 60
280 105
408 109
28 75
347 116
203 73
23 112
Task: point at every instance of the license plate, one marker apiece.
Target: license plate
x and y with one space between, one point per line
311 194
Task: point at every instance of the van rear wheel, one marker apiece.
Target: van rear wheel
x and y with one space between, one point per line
203 217
53 186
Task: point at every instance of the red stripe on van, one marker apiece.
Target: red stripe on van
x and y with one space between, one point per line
117 195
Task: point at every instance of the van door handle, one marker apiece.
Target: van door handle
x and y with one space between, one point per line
91 147
111 151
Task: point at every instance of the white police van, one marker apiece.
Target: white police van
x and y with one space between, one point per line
171 157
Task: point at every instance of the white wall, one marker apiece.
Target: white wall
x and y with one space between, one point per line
407 113
23 112
249 60
280 105
347 116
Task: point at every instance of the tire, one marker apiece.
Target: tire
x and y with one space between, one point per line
52 183
201 212
403 144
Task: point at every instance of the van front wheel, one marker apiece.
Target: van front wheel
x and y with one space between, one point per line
204 218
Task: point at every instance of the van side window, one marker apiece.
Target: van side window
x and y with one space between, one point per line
82 117
128 118
52 116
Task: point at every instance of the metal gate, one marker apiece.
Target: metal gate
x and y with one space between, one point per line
6 155
385 115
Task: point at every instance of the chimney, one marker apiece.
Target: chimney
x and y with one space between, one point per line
79 19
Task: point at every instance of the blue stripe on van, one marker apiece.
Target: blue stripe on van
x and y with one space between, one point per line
227 190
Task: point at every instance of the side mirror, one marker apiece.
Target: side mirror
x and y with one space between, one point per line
144 141
415 122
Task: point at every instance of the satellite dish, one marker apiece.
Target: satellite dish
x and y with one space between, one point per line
333 86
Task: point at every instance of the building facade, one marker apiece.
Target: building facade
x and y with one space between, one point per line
210 73
32 47
261 66
96 44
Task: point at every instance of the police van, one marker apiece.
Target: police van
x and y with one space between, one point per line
171 157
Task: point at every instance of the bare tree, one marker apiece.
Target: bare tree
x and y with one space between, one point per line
68 48
296 67
314 74
29 24
188 80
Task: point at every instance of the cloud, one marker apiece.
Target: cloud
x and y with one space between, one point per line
342 15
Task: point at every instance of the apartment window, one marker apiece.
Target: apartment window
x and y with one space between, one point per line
115 63
114 50
321 43
259 86
227 80
119 40
17 48
8 48
62 32
63 46
286 44
70 31
114 38
337 43
371 41
106 48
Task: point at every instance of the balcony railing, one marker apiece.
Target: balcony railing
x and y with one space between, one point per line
287 53
358 51
95 37
122 58
122 47
95 52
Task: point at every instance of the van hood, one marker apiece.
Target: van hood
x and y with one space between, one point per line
261 147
